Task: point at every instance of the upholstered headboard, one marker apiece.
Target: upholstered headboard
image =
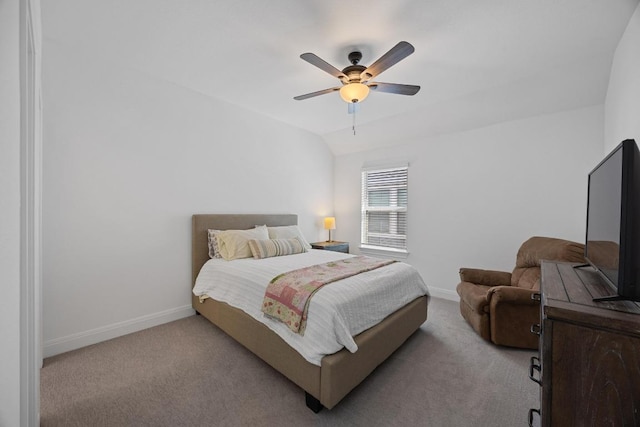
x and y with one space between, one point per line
202 222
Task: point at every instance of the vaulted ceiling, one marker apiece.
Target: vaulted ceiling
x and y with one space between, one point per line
477 62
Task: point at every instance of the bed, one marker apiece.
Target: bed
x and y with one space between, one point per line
338 373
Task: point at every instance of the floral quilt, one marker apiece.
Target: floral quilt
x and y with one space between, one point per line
287 296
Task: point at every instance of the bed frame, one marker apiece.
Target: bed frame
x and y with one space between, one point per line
340 372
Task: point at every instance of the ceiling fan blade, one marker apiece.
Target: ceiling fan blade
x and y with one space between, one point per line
396 88
395 55
312 94
323 65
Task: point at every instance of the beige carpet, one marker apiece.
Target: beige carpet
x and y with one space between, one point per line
189 373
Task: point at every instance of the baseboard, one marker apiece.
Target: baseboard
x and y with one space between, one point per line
94 336
444 294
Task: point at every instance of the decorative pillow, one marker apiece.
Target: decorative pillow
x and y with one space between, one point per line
214 251
275 247
234 244
288 232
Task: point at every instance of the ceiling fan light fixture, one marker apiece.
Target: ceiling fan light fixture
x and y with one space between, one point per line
354 92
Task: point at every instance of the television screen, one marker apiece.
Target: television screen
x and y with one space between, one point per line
603 216
613 222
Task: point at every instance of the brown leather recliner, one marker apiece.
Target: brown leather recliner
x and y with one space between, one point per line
498 304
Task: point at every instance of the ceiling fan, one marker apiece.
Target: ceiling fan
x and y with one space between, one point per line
357 79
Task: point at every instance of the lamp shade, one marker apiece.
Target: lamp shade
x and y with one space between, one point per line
354 92
329 223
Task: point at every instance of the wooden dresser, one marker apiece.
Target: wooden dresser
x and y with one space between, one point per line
589 359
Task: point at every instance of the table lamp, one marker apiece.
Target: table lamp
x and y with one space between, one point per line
329 224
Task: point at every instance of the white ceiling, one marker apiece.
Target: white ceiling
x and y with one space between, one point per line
478 62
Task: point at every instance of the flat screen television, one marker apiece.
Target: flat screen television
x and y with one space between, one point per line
613 221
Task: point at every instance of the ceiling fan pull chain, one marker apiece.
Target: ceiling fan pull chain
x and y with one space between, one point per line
353 126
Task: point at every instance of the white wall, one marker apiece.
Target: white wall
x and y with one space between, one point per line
622 107
475 196
127 160
9 213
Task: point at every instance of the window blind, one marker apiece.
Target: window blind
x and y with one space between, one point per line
384 207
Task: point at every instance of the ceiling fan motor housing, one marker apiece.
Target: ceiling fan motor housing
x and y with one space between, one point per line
353 71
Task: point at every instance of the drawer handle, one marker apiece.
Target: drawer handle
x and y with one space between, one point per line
535 296
535 366
535 329
531 412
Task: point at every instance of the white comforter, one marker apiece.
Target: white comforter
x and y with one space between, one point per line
337 312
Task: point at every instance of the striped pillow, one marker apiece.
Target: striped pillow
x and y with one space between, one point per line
275 247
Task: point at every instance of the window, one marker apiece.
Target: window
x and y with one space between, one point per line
384 208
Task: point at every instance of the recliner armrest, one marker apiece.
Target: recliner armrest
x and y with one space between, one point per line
511 295
485 277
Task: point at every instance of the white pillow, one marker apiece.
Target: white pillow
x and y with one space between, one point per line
288 232
234 244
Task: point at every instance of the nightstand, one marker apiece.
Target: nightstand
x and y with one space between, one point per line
332 246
